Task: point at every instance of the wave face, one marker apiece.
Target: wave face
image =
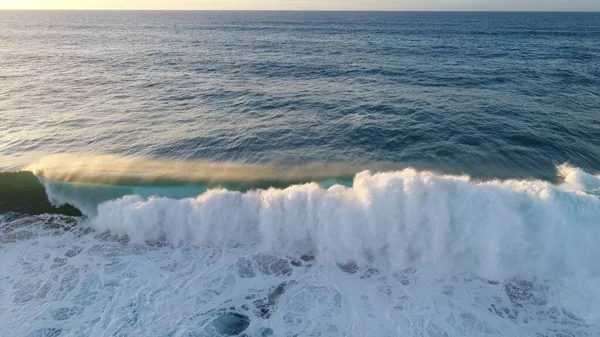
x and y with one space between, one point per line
21 192
86 181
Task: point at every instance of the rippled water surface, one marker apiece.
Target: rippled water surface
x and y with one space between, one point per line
491 94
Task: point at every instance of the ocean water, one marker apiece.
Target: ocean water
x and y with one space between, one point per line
299 174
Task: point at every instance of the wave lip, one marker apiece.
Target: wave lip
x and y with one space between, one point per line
392 220
579 179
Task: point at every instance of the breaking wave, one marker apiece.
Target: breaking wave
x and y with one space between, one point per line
418 253
394 219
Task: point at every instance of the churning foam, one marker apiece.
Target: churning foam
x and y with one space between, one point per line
577 178
391 220
403 253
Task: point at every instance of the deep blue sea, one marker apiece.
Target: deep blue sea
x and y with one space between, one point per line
299 174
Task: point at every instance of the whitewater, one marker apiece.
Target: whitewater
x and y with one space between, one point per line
398 253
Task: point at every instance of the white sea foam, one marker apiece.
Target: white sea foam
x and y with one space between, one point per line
579 179
58 282
396 254
393 220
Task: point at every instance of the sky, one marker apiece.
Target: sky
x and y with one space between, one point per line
525 5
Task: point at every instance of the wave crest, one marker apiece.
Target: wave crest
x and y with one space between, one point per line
394 219
579 179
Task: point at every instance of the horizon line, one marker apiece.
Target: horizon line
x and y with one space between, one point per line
301 10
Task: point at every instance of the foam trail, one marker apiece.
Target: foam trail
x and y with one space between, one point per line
577 178
392 220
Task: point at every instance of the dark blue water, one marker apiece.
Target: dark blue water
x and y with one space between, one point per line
489 94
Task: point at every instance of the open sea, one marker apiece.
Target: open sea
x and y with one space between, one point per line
291 174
